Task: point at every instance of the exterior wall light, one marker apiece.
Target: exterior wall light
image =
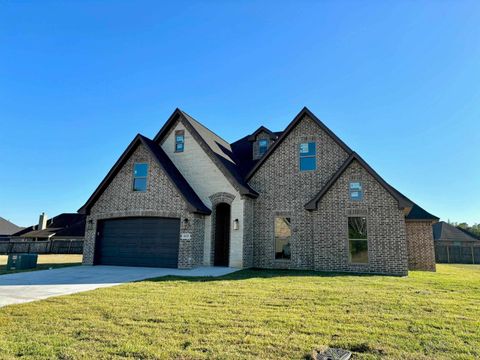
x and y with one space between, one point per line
236 224
90 224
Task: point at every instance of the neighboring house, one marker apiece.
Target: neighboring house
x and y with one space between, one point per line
7 229
61 227
296 199
455 245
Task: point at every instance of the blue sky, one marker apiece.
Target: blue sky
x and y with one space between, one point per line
398 81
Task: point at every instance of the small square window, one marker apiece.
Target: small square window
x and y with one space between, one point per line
356 190
140 174
179 141
262 146
308 159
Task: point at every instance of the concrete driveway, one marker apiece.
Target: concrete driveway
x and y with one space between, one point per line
35 285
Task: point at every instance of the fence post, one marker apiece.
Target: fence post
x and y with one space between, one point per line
473 254
448 255
69 247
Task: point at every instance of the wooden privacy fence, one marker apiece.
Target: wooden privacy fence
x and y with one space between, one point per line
465 253
42 247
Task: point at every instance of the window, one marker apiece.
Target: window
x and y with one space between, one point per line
262 146
355 189
308 160
179 141
283 232
140 173
357 240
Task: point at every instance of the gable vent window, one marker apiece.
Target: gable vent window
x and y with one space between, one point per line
308 159
140 173
262 146
179 141
356 192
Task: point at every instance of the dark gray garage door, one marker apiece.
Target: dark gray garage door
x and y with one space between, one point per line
138 242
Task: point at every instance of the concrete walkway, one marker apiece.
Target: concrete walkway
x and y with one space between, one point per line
35 285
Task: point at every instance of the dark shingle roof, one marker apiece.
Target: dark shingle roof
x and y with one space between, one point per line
443 231
418 213
63 225
193 201
7 227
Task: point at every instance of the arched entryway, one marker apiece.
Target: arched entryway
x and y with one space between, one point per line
222 235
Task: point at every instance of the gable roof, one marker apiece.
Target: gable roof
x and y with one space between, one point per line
63 225
194 203
7 227
443 231
403 202
219 150
419 213
304 112
261 129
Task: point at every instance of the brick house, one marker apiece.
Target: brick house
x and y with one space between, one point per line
295 199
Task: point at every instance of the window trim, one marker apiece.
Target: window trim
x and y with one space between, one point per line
285 215
182 134
140 177
367 240
300 156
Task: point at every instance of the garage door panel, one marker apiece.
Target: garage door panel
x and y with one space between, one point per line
139 242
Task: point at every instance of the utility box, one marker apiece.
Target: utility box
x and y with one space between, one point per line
22 261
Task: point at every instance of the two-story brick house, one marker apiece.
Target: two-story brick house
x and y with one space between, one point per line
296 199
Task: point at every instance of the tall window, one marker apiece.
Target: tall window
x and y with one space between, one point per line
179 141
262 146
308 160
140 173
357 240
283 233
356 192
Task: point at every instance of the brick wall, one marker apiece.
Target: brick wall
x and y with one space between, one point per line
421 250
161 199
285 190
387 244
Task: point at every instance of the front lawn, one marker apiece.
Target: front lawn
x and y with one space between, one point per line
256 315
44 262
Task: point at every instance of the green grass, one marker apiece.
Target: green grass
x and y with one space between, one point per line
44 262
256 315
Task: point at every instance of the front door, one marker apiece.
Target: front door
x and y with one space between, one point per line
222 235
